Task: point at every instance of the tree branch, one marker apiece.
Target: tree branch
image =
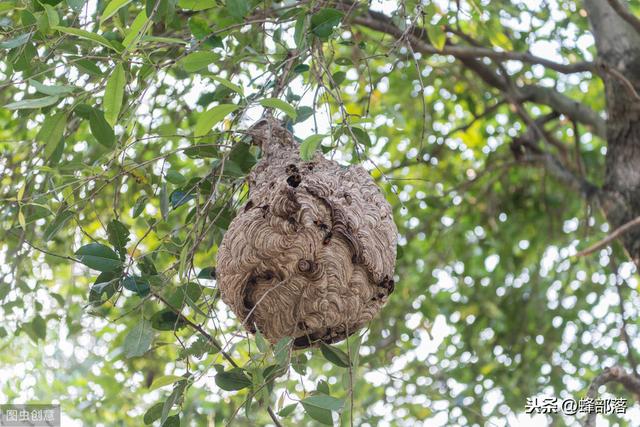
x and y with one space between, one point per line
624 13
212 341
381 22
524 148
565 105
468 56
613 374
419 41
275 419
610 238
198 328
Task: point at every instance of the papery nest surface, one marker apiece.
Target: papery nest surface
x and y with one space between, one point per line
312 254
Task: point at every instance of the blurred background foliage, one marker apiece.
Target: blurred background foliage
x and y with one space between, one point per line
123 159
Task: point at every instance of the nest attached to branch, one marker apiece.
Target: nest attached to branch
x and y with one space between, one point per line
312 253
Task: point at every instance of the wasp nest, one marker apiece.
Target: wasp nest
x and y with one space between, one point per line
312 253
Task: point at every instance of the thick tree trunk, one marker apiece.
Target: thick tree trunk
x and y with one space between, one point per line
618 45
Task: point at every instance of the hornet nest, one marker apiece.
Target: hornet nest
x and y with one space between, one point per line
312 254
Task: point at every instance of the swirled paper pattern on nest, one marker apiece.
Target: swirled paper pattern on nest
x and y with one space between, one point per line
312 253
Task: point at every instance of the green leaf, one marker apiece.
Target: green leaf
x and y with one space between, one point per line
118 236
238 8
344 61
304 113
318 414
166 40
501 40
167 320
353 344
113 95
175 177
299 363
232 380
57 224
497 37
139 206
287 410
179 197
133 35
112 8
335 355
199 347
212 116
76 4
136 284
39 326
324 401
197 4
198 60
52 15
274 371
338 77
153 413
299 31
199 27
106 283
7 5
362 136
309 146
164 201
241 157
89 67
280 105
164 381
323 22
201 150
138 340
99 257
182 260
51 132
174 397
51 90
146 266
323 387
101 129
228 84
172 421
16 41
86 35
301 68
281 351
185 294
261 342
32 103
207 273
436 35
42 23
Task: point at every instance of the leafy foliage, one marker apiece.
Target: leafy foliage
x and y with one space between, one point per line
123 160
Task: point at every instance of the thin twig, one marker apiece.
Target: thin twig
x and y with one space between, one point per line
212 341
197 328
610 238
380 22
273 417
